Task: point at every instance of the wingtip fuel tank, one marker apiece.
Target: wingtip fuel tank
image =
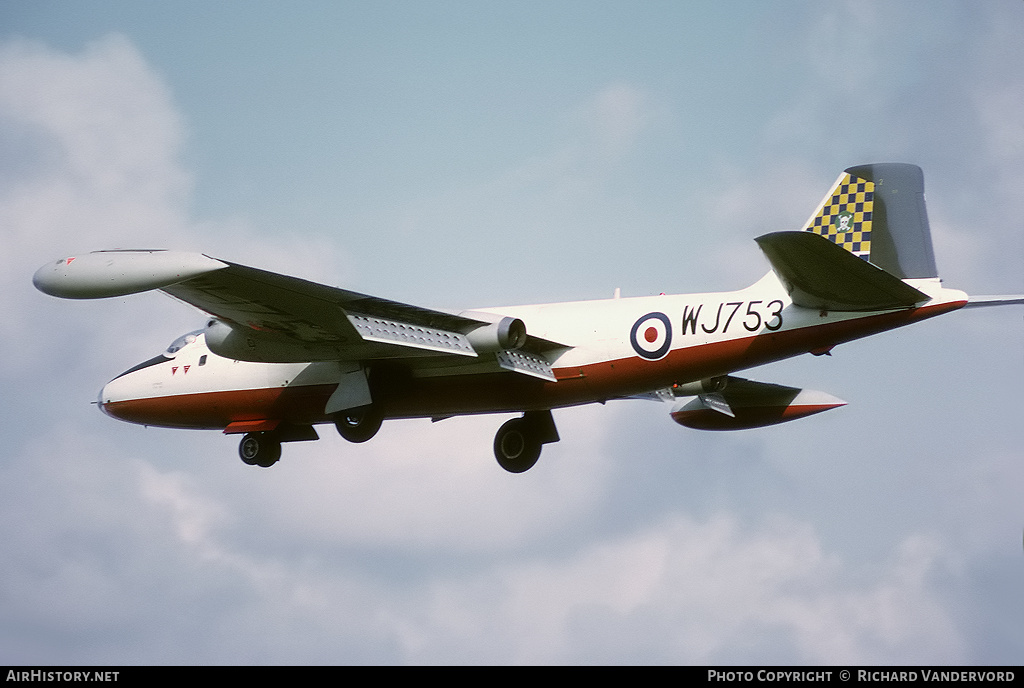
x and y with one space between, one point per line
104 274
744 404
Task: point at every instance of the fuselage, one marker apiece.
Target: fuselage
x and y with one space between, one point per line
617 348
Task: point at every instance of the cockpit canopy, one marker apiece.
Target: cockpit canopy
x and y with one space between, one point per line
172 351
181 342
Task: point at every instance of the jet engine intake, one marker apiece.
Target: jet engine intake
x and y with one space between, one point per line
508 334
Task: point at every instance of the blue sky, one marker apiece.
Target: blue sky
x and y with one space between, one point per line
467 154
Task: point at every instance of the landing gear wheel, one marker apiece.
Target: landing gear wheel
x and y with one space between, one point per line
359 424
259 449
515 447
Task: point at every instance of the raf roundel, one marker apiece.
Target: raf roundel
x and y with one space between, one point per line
651 336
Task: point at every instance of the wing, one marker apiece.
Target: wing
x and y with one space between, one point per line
268 317
327 322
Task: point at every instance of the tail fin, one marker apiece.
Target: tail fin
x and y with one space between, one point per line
877 212
874 212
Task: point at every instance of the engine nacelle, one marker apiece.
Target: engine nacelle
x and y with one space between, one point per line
507 334
238 344
247 344
705 386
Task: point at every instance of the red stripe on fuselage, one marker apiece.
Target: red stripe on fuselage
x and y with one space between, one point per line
216 410
415 397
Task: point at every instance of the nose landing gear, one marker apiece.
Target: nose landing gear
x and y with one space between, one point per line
260 449
263 448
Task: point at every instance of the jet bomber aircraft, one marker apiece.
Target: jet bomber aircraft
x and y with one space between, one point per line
280 355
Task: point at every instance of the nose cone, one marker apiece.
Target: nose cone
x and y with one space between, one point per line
103 400
126 397
108 397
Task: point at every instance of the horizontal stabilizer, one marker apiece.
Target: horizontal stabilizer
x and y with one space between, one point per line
983 301
822 275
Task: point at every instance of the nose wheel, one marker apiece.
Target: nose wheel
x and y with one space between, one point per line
259 449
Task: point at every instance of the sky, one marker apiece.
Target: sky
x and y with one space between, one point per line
464 154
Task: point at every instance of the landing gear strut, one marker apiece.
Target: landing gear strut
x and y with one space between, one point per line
518 442
359 424
260 449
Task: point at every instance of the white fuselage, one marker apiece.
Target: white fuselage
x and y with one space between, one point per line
618 348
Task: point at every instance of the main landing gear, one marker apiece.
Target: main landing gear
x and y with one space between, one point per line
518 442
359 424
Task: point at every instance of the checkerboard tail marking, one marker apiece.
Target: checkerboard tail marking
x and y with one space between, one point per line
844 215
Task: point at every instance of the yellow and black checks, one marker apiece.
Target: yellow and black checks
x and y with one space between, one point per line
845 215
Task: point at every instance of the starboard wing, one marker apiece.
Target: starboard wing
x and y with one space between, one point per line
336 322
269 317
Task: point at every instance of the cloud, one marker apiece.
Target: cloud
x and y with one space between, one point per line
92 149
104 141
145 564
685 591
